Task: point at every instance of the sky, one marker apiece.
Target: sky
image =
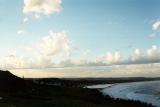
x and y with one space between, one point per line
80 38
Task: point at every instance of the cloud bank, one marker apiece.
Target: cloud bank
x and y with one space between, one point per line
152 55
57 44
135 70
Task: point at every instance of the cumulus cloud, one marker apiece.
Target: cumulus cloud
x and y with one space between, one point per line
99 59
41 7
13 61
140 63
137 55
113 57
51 48
54 44
20 62
110 58
152 55
20 32
44 62
156 25
80 60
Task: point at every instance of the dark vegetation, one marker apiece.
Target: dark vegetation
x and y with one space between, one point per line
10 82
17 92
81 82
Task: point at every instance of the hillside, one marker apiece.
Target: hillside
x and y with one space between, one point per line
10 82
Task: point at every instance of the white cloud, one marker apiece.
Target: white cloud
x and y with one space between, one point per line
20 32
156 25
73 63
137 55
112 58
12 61
54 44
25 20
79 60
51 48
41 7
140 63
152 55
136 70
99 59
44 62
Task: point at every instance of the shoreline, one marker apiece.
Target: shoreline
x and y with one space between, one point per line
120 91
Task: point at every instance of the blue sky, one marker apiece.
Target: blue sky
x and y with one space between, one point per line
126 22
92 27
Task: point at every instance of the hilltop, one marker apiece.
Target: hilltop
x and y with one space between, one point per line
10 82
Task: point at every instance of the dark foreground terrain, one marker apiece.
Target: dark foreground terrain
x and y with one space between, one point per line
17 92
